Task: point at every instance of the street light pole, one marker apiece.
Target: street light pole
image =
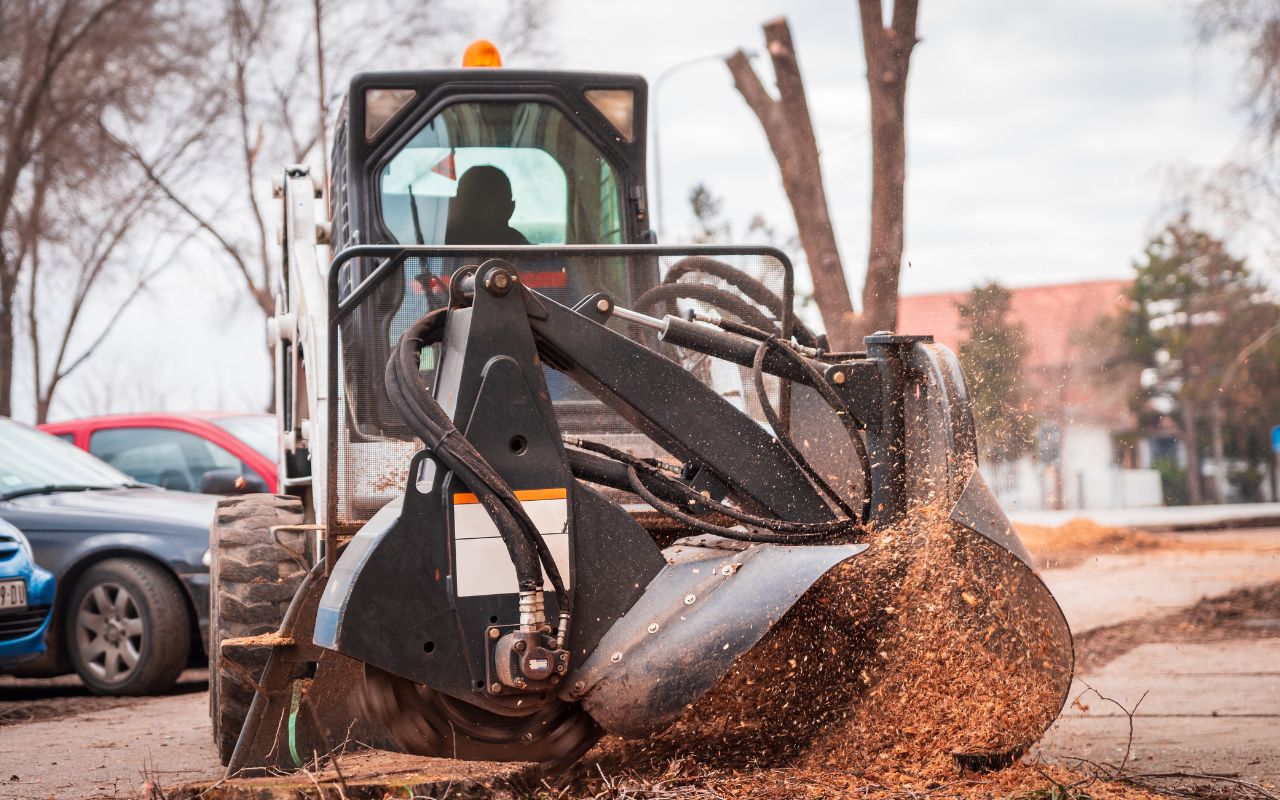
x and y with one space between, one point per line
656 201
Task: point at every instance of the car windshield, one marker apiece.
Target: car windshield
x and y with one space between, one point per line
31 459
256 430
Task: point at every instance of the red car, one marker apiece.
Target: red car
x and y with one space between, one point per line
214 452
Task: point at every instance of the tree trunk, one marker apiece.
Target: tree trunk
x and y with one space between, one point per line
888 57
1219 455
1191 447
8 288
789 129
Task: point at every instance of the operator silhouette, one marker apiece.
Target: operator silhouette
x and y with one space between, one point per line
481 211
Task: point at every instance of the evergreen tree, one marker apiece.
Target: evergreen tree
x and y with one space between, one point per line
993 357
1195 307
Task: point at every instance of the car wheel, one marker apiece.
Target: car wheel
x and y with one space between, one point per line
128 629
253 576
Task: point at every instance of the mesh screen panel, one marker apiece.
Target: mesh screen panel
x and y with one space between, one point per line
374 446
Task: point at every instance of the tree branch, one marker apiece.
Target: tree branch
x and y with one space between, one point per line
194 216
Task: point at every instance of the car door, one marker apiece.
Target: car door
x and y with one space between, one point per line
166 457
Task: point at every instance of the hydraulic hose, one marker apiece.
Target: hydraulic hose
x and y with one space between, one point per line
746 284
776 531
711 295
819 384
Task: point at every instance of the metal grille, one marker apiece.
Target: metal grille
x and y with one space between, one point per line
17 624
374 446
339 201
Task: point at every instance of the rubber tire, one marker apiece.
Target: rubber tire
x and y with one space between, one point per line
252 579
166 619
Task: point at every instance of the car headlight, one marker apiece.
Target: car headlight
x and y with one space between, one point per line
206 559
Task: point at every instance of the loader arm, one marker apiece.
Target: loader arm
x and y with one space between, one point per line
299 335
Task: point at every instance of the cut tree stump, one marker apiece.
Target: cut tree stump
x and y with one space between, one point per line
374 775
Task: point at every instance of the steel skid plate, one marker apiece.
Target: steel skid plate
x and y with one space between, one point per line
712 603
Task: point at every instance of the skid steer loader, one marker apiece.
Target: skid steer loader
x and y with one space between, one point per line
543 479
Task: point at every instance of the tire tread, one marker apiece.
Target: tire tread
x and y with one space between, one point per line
252 581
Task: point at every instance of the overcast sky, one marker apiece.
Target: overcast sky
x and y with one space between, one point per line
1040 140
1040 135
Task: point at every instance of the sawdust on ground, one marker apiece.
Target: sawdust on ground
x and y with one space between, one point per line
369 774
1247 613
1078 539
1081 539
933 643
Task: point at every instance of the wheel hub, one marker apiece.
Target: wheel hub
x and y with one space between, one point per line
426 722
108 632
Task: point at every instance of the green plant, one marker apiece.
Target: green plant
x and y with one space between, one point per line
1173 481
1057 791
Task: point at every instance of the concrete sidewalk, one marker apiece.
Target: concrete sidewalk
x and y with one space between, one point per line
1111 588
1211 708
1162 518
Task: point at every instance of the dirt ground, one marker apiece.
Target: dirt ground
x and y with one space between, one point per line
58 741
23 701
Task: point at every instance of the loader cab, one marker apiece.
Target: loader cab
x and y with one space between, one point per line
478 157
491 157
570 144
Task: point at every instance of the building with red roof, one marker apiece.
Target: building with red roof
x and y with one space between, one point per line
1084 421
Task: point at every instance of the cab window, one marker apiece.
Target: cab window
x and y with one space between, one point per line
501 173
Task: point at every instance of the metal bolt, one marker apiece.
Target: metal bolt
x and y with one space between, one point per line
562 669
498 282
578 686
726 570
564 656
602 305
616 657
526 737
495 688
689 598
520 647
838 378
653 627
520 683
494 633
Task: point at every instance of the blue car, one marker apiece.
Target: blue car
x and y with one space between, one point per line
26 599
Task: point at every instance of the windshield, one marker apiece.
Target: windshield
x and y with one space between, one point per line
501 173
30 459
256 430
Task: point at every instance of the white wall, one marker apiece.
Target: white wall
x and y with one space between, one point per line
1089 477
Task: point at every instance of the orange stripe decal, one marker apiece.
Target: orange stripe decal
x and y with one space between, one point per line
523 495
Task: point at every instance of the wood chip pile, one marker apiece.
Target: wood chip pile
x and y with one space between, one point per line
932 643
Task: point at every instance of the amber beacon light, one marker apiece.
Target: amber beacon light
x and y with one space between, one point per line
482 53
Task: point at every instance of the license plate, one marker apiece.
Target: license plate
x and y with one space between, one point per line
13 594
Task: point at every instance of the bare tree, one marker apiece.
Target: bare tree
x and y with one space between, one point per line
888 56
1255 24
89 245
788 127
70 69
280 55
